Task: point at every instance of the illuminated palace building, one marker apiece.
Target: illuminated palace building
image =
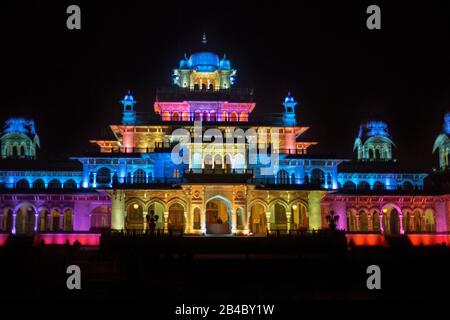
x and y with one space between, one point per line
166 164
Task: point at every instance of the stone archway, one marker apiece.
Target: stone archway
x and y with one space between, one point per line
218 216
135 217
299 217
157 209
391 219
258 220
176 219
25 218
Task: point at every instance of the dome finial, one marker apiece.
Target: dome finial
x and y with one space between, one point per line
204 39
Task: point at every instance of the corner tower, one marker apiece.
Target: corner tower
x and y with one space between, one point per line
442 143
289 111
19 139
374 142
204 70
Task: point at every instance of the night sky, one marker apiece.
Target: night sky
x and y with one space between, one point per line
71 82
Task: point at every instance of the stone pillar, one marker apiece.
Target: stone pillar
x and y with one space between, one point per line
166 221
268 215
400 217
61 221
36 221
187 225
245 221
233 221
315 212
112 178
94 182
381 222
14 223
118 210
288 220
203 221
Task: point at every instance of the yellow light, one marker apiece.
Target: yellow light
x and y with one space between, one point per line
294 207
135 206
384 210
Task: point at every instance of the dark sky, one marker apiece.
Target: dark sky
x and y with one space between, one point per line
71 82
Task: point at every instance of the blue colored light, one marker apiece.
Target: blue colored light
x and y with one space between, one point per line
20 125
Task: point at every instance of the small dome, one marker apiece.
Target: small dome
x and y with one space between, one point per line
204 61
184 63
289 98
128 98
447 123
374 128
20 125
225 63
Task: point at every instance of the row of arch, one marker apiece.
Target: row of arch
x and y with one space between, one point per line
219 215
316 176
41 184
391 220
377 185
104 176
27 219
204 115
15 150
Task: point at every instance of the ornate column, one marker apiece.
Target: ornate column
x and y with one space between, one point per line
288 220
36 221
94 182
14 223
166 221
187 225
400 217
61 221
315 212
381 222
118 210
233 221
268 214
203 221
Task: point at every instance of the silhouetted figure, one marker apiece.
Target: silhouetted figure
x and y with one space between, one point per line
77 245
351 244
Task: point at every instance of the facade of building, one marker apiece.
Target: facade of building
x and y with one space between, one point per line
203 164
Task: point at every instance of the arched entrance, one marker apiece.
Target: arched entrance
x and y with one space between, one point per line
55 220
135 217
279 220
25 220
100 217
391 220
299 217
363 221
258 220
43 220
218 217
158 211
176 217
68 220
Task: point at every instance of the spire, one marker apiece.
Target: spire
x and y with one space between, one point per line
204 39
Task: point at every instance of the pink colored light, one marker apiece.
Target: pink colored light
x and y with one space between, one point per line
429 239
86 239
366 239
3 238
